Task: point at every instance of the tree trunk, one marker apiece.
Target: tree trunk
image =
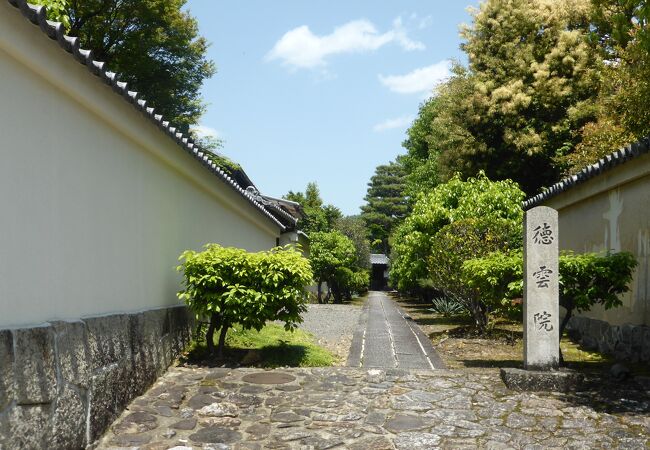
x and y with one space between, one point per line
209 335
329 293
320 292
479 314
222 338
569 312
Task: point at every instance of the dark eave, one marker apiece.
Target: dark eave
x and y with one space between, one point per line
603 165
55 31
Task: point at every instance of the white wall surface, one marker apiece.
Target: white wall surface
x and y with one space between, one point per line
96 203
611 212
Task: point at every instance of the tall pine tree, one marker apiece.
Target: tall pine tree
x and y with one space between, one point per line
386 204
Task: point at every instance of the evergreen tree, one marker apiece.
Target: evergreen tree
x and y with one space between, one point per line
386 203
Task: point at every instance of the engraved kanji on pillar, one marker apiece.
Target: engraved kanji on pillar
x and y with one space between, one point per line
541 289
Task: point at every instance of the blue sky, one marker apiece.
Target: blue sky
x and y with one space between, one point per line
322 91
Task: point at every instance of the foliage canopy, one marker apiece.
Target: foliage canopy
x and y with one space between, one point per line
153 45
476 198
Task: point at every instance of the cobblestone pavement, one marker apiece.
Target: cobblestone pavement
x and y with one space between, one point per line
387 338
354 408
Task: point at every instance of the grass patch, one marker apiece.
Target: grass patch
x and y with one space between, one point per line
272 346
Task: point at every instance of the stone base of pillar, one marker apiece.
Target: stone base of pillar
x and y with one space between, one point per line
534 380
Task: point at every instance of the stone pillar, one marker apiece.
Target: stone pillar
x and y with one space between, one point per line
541 289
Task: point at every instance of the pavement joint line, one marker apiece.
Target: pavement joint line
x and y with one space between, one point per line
418 339
390 333
363 347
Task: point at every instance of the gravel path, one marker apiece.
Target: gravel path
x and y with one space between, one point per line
333 326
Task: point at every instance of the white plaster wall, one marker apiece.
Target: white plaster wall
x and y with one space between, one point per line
611 212
96 203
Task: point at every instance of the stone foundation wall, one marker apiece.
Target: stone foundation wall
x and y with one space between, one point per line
624 342
62 384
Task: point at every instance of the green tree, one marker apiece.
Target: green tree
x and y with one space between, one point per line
354 228
621 29
420 162
460 241
318 217
152 44
232 286
475 198
520 105
332 257
617 23
386 203
57 11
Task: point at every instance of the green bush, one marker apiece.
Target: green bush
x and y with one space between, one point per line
463 240
333 258
231 285
475 198
586 279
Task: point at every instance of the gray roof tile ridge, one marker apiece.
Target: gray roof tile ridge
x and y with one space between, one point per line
36 14
604 164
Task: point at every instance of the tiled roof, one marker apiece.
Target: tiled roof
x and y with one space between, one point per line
55 31
604 164
379 258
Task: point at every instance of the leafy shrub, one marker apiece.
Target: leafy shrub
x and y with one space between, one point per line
586 279
477 198
463 240
447 306
231 285
498 278
333 258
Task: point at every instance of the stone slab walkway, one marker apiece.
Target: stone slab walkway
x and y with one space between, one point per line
387 338
354 408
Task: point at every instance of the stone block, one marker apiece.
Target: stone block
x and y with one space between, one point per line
108 340
35 365
110 392
610 338
627 332
7 390
637 342
72 350
532 380
155 323
25 427
140 366
180 325
645 345
577 323
68 426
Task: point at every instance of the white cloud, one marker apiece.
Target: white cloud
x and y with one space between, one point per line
205 131
301 49
419 81
389 124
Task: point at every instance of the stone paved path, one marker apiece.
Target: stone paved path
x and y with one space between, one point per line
354 408
387 338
